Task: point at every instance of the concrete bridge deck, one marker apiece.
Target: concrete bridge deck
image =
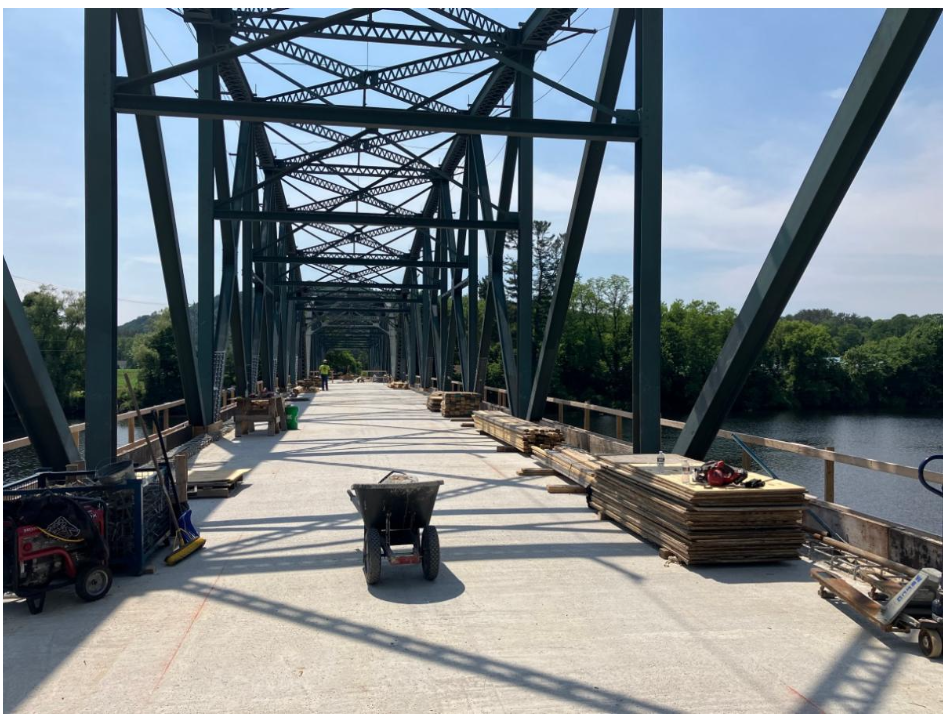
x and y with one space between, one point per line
539 607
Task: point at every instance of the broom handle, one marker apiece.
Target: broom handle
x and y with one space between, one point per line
154 458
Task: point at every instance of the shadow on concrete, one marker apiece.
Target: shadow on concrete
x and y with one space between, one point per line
405 585
558 686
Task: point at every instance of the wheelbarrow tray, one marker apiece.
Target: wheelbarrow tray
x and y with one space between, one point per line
406 506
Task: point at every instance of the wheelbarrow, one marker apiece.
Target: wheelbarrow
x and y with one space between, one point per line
395 512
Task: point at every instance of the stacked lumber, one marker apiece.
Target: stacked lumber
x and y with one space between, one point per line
699 524
398 385
521 434
459 404
434 402
576 465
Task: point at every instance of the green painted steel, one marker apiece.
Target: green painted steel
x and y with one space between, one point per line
647 236
135 47
101 241
27 382
607 92
348 116
892 53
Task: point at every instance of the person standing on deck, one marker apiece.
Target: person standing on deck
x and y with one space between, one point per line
324 371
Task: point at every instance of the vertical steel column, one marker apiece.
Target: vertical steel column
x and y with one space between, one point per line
101 237
647 239
207 81
607 92
249 242
497 298
469 200
892 54
28 384
523 107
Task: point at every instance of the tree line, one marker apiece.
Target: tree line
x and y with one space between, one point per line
814 360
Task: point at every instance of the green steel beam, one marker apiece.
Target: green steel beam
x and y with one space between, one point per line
101 241
137 60
358 285
647 236
362 260
206 130
892 53
27 382
374 118
236 51
523 107
607 92
336 217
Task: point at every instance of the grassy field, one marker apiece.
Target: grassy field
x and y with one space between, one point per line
132 375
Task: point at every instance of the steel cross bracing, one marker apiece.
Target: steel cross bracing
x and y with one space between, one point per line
354 238
369 230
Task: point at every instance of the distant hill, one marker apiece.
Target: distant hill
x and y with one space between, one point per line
143 323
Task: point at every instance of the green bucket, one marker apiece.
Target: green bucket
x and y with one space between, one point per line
292 417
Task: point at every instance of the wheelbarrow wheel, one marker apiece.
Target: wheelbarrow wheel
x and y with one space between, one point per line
929 642
430 553
372 556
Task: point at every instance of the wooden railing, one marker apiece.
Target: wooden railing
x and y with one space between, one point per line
228 404
828 455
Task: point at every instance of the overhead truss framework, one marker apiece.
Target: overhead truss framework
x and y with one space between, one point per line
352 200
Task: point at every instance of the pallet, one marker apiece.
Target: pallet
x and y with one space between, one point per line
214 483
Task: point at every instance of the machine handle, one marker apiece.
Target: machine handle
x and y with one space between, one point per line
921 475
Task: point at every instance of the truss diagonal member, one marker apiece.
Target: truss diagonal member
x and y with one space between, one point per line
235 51
473 19
890 58
524 70
319 61
361 30
607 92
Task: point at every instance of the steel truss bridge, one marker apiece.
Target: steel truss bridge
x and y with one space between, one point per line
372 240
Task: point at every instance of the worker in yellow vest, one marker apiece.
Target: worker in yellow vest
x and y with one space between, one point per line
324 371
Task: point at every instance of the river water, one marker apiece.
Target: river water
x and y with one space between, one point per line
893 438
906 440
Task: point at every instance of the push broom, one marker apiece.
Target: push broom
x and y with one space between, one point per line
187 540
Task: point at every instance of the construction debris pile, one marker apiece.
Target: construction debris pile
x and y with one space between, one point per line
459 404
434 402
521 434
398 385
697 523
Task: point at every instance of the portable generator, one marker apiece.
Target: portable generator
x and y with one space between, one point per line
52 541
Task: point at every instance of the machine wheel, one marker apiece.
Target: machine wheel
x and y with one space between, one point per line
929 642
93 582
824 593
430 553
372 556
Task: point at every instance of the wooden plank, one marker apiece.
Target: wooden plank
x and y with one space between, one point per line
561 489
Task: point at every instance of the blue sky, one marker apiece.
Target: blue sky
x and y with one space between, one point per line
748 98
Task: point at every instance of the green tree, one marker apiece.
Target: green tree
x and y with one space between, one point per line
157 359
58 323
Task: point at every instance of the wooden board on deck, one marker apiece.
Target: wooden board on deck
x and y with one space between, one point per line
214 483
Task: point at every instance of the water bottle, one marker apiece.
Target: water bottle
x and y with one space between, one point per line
661 459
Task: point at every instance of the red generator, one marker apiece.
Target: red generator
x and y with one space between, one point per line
51 541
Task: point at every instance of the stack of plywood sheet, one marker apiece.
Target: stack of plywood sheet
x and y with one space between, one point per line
522 434
434 402
697 523
459 404
398 385
576 465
